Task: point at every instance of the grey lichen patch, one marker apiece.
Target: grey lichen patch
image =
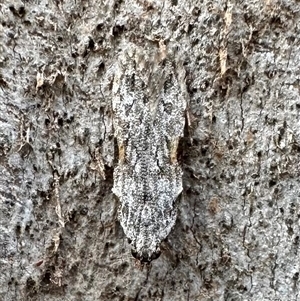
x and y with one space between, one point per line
149 105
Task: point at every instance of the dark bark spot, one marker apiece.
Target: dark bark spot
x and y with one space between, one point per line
204 85
101 67
18 230
296 276
21 11
30 286
17 12
12 9
70 120
74 54
84 211
99 26
47 278
60 122
91 44
118 30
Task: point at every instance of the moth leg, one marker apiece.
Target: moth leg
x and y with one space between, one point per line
121 149
190 125
173 150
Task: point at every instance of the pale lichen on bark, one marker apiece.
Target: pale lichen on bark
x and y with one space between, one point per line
149 106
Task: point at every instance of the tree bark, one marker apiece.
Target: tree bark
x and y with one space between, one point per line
237 232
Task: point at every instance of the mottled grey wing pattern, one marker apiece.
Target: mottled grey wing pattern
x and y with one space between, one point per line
149 106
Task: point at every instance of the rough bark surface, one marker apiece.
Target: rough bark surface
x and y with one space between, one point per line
237 232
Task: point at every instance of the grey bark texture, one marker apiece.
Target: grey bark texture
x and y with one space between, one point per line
237 232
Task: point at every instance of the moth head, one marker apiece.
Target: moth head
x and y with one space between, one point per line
145 256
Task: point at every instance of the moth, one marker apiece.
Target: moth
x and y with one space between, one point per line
149 106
